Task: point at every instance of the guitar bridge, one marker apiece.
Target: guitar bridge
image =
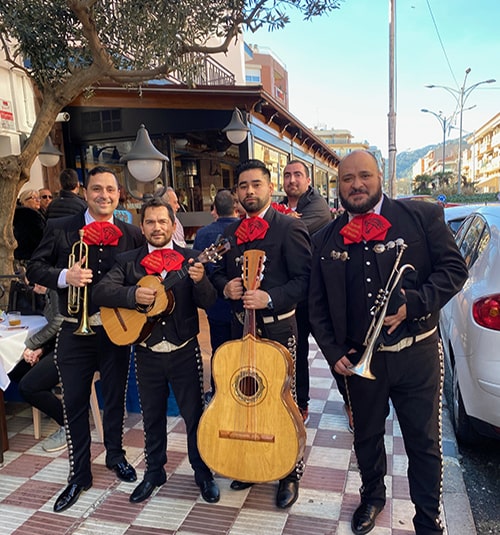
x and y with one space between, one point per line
242 435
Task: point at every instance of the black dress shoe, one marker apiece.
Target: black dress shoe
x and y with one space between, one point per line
124 471
69 496
209 491
240 485
142 492
288 492
363 519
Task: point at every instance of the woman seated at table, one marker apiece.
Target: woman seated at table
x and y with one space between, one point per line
37 374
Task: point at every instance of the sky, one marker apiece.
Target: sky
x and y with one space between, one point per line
338 67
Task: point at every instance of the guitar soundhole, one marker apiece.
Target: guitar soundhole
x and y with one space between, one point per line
248 386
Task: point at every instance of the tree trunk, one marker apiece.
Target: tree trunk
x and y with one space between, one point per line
10 184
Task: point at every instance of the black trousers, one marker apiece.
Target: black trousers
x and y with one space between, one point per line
36 388
302 359
182 370
220 332
77 358
412 379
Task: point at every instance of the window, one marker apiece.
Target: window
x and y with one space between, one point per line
473 239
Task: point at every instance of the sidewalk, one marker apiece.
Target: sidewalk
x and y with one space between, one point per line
31 479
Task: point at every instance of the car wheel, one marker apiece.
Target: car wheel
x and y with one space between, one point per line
462 423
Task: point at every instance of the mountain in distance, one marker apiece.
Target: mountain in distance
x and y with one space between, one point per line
406 159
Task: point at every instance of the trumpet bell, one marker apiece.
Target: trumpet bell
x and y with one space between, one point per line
362 368
84 330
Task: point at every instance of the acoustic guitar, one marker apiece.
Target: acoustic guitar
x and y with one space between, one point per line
126 326
252 430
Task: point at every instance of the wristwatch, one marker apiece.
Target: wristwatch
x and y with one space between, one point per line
270 305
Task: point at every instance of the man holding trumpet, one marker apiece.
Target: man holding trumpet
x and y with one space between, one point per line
74 254
355 256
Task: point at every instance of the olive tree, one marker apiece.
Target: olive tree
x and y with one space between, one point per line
68 46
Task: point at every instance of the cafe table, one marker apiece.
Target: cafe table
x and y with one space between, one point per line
11 351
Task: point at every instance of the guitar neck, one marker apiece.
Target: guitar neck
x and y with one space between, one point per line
249 325
175 276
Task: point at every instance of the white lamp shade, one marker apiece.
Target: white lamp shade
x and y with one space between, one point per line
236 131
145 170
49 160
49 155
236 137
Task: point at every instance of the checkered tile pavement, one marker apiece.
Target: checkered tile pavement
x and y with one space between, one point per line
31 479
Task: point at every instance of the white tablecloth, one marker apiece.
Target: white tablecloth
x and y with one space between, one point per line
12 344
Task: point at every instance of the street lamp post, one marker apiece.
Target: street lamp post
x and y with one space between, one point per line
444 124
461 95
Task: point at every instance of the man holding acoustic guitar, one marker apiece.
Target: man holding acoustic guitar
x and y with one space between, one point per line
286 245
167 353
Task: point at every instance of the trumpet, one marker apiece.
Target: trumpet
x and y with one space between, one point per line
78 299
379 312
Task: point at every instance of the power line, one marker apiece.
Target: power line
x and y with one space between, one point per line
441 42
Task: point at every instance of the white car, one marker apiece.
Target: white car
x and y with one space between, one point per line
470 329
454 215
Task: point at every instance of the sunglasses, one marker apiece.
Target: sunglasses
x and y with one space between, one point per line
46 196
34 198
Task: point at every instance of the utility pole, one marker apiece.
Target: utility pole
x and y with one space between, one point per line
392 113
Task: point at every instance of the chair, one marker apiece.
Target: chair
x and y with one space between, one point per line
94 406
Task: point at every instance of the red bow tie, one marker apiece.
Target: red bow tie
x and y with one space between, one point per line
365 227
283 208
250 229
162 259
101 233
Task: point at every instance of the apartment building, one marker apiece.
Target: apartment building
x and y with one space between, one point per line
481 159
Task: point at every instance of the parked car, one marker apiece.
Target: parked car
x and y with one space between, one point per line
454 215
470 329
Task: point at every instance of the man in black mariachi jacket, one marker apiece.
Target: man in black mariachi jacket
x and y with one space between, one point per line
353 258
78 357
286 243
170 356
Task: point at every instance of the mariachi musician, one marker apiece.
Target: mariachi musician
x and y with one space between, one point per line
286 243
72 265
170 356
355 256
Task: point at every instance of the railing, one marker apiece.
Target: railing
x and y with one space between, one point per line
202 70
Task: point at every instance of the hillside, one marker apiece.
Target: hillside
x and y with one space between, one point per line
406 159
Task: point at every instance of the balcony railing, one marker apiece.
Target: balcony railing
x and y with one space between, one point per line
202 70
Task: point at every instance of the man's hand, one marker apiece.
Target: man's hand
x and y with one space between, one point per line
196 271
343 365
145 296
255 299
394 321
78 276
234 289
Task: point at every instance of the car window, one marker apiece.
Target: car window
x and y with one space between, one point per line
471 238
462 229
485 238
454 224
